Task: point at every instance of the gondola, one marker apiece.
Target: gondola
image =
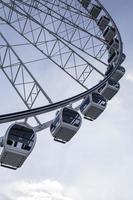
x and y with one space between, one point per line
18 143
65 125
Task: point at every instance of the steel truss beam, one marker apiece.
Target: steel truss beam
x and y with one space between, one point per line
59 49
65 34
19 76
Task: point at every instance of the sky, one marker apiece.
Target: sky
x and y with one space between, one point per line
97 163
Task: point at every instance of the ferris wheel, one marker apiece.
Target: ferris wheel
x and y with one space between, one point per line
77 37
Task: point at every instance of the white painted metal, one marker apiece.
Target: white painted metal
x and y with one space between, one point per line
110 89
90 15
18 143
103 22
93 106
95 11
85 3
119 73
65 125
109 34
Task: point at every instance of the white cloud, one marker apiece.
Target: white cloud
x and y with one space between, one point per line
129 77
44 190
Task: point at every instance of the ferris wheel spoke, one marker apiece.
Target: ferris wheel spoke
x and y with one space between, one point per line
47 56
65 19
19 76
62 45
67 34
66 6
78 37
83 60
75 31
73 34
71 16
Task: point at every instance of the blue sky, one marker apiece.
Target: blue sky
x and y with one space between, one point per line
97 164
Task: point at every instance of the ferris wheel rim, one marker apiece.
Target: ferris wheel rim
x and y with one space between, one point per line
54 106
48 108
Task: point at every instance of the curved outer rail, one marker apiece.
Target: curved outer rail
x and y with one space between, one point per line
48 108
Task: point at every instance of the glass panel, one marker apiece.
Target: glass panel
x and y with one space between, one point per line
71 117
85 103
26 147
105 32
122 69
9 142
99 99
21 134
114 83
